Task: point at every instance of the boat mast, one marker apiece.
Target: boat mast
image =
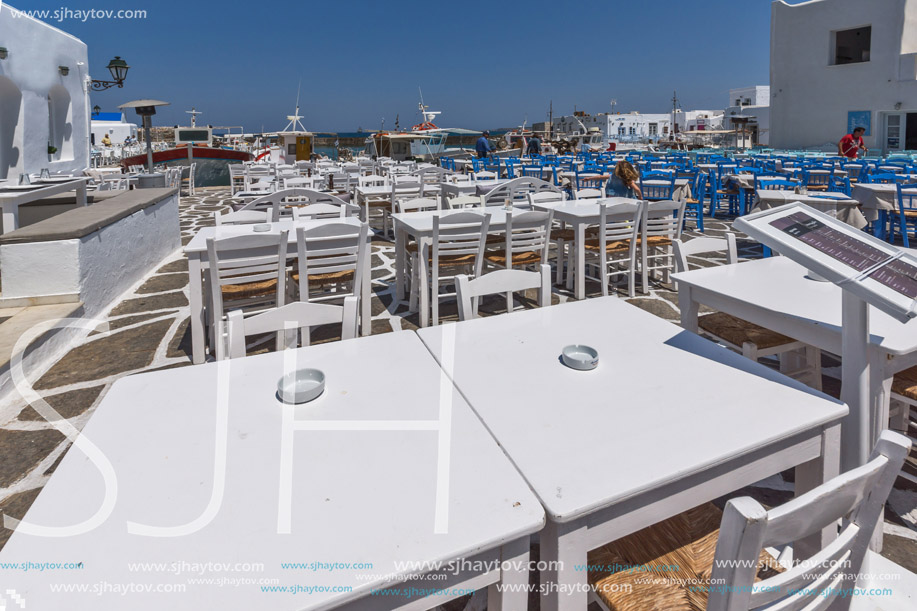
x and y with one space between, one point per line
294 119
194 113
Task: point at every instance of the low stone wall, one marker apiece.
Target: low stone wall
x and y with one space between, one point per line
90 254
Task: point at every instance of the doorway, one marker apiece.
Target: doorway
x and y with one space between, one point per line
910 131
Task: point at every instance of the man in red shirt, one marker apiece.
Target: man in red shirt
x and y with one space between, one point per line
851 143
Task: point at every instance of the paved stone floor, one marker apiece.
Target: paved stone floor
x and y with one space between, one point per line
148 330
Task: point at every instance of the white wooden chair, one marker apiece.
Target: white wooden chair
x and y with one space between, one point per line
244 272
457 245
190 180
236 178
661 226
903 405
561 236
697 552
589 194
518 190
614 250
462 202
419 204
752 341
525 244
484 175
286 320
506 281
332 256
324 211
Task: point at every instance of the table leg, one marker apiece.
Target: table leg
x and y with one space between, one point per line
510 593
81 194
366 322
196 303
563 574
813 474
688 307
580 267
400 239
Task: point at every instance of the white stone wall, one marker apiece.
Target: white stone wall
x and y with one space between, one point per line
810 97
38 105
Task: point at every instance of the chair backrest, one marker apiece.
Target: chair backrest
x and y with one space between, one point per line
589 194
657 185
698 245
817 176
501 281
518 189
464 201
417 205
663 218
857 497
372 180
881 178
456 235
774 184
528 232
619 222
907 196
324 211
302 182
246 259
406 190
337 181
431 176
330 253
289 318
484 175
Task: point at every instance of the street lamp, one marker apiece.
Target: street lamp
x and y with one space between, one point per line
96 110
146 109
118 68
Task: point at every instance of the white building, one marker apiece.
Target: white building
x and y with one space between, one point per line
837 64
635 126
114 124
752 103
44 99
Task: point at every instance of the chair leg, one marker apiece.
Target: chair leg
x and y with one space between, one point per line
559 276
750 351
813 363
644 274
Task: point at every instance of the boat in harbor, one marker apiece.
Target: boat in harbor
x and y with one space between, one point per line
195 145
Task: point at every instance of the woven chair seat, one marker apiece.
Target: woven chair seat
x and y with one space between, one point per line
727 191
737 331
379 203
519 258
910 214
677 554
345 275
247 290
618 246
567 235
817 187
494 239
657 240
691 200
905 383
455 260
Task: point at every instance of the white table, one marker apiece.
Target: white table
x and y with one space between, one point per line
470 187
776 294
366 466
12 196
876 198
196 251
579 214
667 421
840 206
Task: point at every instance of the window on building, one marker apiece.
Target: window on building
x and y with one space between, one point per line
621 130
631 130
852 46
654 129
291 149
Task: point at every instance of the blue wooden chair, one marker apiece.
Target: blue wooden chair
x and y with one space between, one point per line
907 213
694 206
657 186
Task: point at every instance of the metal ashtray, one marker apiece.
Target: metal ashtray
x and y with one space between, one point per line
261 227
301 386
580 357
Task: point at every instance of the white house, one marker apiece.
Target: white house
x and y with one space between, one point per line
837 64
44 99
114 124
752 103
617 127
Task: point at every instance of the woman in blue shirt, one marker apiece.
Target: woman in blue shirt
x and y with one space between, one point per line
624 182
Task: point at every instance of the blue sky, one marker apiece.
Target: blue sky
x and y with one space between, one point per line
488 63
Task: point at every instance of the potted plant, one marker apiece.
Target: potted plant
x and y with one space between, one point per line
51 151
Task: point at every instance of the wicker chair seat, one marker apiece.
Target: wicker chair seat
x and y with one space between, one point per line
910 214
379 203
567 235
247 290
618 246
344 275
677 554
817 187
737 331
498 257
905 383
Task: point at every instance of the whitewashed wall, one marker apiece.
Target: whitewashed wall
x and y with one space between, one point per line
810 98
38 105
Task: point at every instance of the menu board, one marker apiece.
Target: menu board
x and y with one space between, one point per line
879 273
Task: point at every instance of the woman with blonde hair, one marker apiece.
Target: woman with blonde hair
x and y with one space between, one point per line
624 182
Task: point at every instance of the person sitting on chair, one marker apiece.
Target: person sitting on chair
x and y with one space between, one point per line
624 182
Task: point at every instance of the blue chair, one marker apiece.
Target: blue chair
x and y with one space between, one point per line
817 178
447 163
885 178
774 184
840 184
694 206
657 186
907 213
477 164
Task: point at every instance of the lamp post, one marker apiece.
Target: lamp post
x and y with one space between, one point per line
118 68
146 109
96 110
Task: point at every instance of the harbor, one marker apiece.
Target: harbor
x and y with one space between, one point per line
506 340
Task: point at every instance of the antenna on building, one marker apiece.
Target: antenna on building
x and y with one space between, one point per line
614 103
674 111
194 113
